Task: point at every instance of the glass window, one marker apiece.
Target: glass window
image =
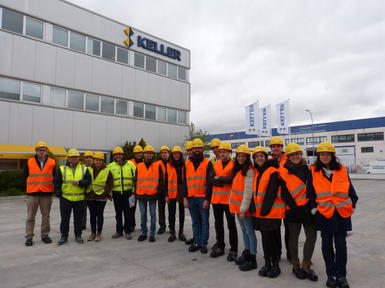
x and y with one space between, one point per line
150 64
162 67
12 21
92 102
171 70
161 114
171 115
253 144
367 150
34 28
60 36
93 46
315 140
9 89
181 73
77 41
343 138
182 117
122 55
107 105
139 60
108 51
31 92
375 136
57 97
150 112
75 99
138 109
121 107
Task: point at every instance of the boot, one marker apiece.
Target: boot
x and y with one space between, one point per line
265 269
250 264
331 282
46 239
91 237
342 282
309 273
172 237
29 241
275 270
241 259
232 256
298 271
216 251
98 237
182 237
62 240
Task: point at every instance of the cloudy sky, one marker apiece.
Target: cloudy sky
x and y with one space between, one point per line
327 56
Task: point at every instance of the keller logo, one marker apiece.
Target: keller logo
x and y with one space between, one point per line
129 32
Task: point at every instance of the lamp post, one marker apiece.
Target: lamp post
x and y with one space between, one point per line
312 130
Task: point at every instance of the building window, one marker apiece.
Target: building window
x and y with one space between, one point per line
181 73
31 92
182 117
150 64
171 115
77 41
12 21
57 97
9 89
60 36
108 51
138 109
315 140
139 60
161 114
107 105
162 67
375 136
75 100
93 46
253 144
235 145
34 28
299 141
343 138
121 107
150 112
172 70
122 55
367 150
92 102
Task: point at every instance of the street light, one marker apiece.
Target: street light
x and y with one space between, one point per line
312 130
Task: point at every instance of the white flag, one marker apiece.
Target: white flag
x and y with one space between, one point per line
283 117
265 121
251 113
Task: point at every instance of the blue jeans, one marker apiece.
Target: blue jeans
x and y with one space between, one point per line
249 238
143 215
200 220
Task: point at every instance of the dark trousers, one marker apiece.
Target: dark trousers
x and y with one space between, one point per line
335 262
122 209
162 211
270 244
132 217
287 237
172 214
308 247
219 209
96 215
84 219
66 207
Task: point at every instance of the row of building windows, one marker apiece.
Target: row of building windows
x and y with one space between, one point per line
12 89
22 24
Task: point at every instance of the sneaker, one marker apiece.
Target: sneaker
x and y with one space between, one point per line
190 241
331 282
62 240
117 235
128 236
151 239
91 237
241 259
299 273
161 230
203 249
311 275
232 256
46 239
79 239
142 237
216 252
193 248
98 237
28 242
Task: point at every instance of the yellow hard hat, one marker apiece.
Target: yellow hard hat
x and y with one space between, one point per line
259 149
188 145
73 152
99 155
215 143
149 148
41 144
138 149
88 154
225 146
276 141
197 143
243 149
164 147
176 149
292 148
117 150
326 147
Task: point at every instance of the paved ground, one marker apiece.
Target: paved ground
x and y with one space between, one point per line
123 263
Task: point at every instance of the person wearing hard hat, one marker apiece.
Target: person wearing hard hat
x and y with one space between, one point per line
188 148
39 174
220 200
332 199
214 145
96 197
88 161
138 158
174 183
147 186
294 174
197 195
123 172
164 153
70 183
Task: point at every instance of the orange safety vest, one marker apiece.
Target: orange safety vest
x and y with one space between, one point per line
332 195
40 180
147 180
133 160
172 181
278 209
236 195
283 160
164 169
196 179
296 187
221 194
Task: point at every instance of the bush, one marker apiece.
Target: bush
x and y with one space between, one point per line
11 182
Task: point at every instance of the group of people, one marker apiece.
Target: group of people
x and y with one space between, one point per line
258 188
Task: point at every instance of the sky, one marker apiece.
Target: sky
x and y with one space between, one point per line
326 56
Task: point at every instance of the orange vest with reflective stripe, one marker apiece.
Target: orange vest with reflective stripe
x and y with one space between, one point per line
147 180
283 160
332 195
164 169
221 194
40 180
296 187
196 179
278 209
172 181
236 195
134 161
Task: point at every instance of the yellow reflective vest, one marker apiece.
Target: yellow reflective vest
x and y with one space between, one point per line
69 191
123 176
99 183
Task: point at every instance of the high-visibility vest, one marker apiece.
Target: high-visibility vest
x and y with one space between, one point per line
278 209
99 183
221 194
147 179
332 195
40 180
123 176
69 191
196 179
296 187
172 181
164 168
133 160
283 160
236 193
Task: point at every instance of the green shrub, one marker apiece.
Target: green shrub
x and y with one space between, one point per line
12 192
11 182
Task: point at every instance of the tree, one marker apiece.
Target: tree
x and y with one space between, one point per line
128 149
194 132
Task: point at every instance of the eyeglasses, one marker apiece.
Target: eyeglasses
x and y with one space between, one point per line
41 150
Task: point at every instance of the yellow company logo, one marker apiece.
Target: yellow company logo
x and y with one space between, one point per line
129 32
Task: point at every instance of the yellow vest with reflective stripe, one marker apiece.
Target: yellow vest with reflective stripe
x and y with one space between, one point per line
123 176
69 191
99 183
